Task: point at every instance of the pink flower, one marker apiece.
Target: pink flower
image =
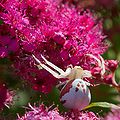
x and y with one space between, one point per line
77 115
9 98
6 96
41 113
44 113
7 46
3 94
113 115
61 33
111 66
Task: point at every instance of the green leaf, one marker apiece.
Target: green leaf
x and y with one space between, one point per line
1 22
103 104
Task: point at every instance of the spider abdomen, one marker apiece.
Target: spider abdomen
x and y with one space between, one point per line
75 95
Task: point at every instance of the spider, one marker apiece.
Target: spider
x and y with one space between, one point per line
75 94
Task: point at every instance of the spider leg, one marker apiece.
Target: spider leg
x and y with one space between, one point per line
102 65
92 56
36 59
100 62
55 74
62 74
86 73
59 74
52 65
60 84
87 83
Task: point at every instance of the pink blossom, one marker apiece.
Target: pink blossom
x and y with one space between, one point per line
7 46
112 65
9 98
41 113
3 94
6 96
113 115
77 115
44 113
61 33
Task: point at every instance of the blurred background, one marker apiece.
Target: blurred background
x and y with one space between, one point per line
109 12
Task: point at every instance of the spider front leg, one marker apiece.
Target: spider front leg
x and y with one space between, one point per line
100 61
59 72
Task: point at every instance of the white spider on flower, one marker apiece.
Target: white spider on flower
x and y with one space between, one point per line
75 94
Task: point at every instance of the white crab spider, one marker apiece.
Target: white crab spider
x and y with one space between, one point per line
75 94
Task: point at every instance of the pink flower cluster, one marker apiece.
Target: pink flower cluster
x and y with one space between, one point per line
6 96
44 113
3 94
60 32
41 113
8 44
113 115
